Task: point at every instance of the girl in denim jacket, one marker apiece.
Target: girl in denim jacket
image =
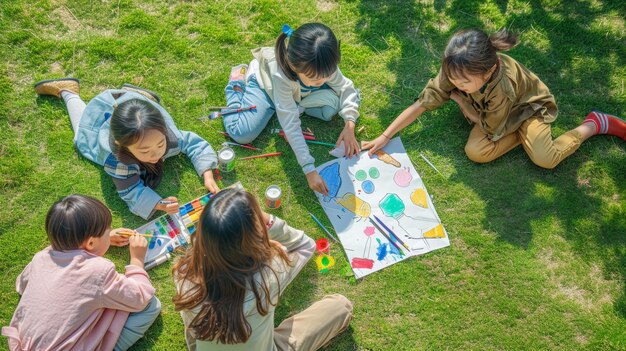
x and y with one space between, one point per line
128 133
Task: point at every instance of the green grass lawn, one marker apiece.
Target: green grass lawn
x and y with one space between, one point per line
537 258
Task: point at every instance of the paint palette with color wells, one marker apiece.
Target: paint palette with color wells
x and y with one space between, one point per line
190 212
172 231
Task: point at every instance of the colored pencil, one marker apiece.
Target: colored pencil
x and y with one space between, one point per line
166 202
319 142
242 145
307 136
262 156
386 235
282 132
392 233
322 226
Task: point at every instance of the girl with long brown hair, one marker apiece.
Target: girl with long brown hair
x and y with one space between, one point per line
228 284
507 104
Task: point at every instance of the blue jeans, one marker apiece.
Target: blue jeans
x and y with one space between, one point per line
137 324
245 126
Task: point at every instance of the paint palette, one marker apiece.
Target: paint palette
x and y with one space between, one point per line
171 231
190 212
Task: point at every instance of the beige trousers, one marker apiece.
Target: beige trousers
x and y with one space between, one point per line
536 138
315 326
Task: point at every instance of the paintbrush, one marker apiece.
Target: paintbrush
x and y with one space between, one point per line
218 114
323 228
430 164
392 233
144 235
386 235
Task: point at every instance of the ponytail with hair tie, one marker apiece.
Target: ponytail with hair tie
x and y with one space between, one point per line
503 40
474 52
313 51
287 30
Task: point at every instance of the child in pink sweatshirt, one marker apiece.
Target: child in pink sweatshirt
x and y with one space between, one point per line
72 297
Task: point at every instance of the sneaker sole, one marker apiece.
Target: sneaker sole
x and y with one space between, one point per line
56 80
151 93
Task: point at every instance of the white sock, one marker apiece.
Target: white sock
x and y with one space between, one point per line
75 108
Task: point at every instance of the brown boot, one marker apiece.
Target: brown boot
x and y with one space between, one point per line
145 92
55 86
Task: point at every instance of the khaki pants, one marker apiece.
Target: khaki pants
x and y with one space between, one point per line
315 326
536 138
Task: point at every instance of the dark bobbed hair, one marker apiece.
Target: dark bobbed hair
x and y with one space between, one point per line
74 219
472 52
312 50
230 247
131 120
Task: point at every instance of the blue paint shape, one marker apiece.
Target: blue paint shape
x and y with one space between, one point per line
107 115
331 176
381 250
394 250
153 242
368 186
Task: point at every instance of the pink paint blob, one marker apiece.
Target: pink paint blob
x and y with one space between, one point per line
403 177
362 263
369 231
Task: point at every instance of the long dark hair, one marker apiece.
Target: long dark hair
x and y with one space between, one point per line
130 121
472 52
312 50
230 247
74 219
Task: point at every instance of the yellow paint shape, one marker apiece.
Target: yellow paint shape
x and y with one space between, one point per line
419 198
324 262
436 232
355 205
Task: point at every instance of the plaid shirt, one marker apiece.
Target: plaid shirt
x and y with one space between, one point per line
93 142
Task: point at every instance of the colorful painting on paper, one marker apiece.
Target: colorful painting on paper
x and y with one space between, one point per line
385 186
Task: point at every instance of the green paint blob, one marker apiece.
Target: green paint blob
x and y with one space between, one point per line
392 206
360 175
374 173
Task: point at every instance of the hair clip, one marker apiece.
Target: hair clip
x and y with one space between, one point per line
287 30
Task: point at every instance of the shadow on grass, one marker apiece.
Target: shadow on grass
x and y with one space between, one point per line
578 75
152 335
293 301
